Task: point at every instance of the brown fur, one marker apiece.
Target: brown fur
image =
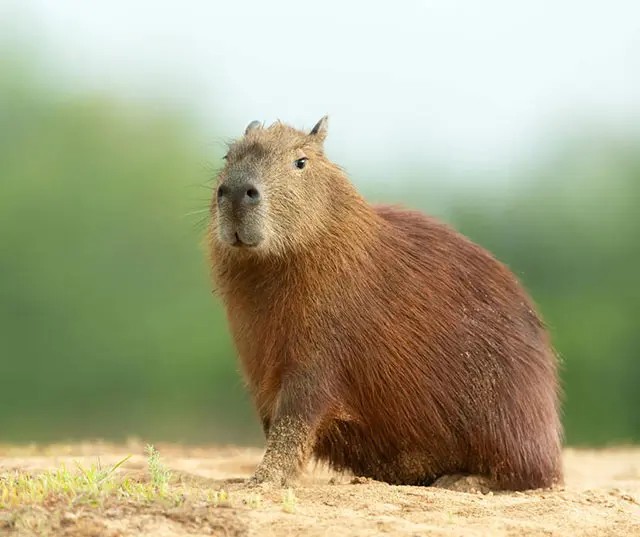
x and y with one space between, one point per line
379 339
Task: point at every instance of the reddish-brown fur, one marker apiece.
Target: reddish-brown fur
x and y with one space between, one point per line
388 344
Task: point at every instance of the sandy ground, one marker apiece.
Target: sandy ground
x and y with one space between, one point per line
601 497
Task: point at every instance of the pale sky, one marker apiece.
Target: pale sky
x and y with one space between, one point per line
474 85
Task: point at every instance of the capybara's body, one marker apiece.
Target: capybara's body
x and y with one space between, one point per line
390 345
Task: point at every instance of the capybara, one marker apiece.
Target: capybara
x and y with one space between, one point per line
375 338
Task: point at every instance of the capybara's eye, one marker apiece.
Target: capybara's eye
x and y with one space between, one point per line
301 163
226 156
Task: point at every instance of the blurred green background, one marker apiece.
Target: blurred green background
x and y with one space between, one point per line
108 327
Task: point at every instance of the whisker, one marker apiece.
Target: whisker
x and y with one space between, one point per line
200 185
201 224
197 211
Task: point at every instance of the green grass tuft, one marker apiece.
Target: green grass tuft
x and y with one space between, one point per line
86 485
159 473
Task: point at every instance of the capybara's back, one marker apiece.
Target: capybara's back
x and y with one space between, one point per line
450 369
378 339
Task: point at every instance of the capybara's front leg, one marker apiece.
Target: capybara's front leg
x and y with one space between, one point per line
302 407
288 448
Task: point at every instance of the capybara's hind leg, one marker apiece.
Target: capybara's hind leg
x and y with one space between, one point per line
526 469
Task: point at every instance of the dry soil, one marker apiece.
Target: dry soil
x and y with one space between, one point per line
601 497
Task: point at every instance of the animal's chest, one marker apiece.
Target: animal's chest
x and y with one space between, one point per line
347 330
270 341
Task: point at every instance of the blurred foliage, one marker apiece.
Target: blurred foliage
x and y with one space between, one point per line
107 323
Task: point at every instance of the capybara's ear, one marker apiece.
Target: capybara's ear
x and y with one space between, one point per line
319 131
251 126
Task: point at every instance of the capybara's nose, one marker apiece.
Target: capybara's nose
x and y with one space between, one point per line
244 194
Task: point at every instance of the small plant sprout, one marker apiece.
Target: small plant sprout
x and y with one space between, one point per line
159 473
218 498
289 501
254 500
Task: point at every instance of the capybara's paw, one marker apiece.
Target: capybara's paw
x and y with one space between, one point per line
259 486
265 480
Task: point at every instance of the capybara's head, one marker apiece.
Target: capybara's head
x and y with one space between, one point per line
276 190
